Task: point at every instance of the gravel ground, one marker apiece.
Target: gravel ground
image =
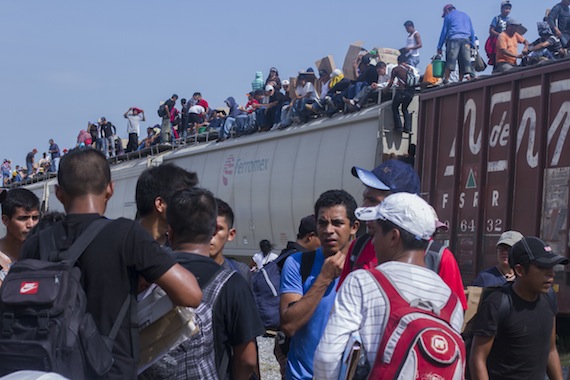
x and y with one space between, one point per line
268 366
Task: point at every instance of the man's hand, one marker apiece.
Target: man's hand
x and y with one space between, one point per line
333 265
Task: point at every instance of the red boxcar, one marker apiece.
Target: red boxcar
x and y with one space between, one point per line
494 155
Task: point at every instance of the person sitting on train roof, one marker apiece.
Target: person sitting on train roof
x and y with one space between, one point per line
305 93
339 86
152 137
501 273
507 52
371 91
273 79
548 46
273 107
368 75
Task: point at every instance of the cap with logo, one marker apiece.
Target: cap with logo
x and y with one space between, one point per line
407 211
393 175
509 238
533 250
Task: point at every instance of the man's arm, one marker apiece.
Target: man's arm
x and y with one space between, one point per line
552 19
296 309
143 118
553 367
442 36
478 359
181 286
245 360
126 113
418 40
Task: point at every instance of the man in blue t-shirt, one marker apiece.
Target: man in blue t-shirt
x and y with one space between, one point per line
305 306
55 156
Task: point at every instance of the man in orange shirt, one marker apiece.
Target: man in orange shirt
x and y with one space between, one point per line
507 52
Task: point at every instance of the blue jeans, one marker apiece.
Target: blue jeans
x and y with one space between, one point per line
30 168
227 127
54 165
459 50
413 60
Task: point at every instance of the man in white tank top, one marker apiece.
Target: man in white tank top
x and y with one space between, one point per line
413 44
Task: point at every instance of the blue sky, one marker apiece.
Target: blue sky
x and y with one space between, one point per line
65 63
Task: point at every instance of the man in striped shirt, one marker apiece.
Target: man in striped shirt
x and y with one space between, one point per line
403 225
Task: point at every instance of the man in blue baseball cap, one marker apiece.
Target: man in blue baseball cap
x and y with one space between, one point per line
390 177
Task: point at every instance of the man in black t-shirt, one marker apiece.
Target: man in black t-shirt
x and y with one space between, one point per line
515 328
108 130
112 262
226 232
191 217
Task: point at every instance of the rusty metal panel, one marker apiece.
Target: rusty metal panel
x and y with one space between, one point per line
495 155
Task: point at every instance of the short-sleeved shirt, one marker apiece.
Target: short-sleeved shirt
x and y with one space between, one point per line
510 45
489 277
109 271
499 23
30 158
54 150
522 337
236 320
448 268
134 122
305 341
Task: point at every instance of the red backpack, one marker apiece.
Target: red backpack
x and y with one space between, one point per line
418 342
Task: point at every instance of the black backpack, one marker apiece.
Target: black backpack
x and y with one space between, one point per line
162 110
44 324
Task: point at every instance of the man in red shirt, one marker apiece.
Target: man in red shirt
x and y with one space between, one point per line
393 176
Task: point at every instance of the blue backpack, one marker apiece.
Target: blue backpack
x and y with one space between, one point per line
266 283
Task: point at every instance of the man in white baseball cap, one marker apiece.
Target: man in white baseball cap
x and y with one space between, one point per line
404 224
501 273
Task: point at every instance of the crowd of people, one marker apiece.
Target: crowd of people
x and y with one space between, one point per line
379 290
275 104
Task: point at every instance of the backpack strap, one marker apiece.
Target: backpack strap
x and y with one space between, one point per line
396 300
48 249
307 261
434 253
357 249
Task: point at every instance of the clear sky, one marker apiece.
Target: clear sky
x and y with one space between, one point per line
64 63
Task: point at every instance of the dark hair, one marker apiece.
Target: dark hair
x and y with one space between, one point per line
265 246
409 241
401 58
19 198
46 221
192 216
333 198
380 65
161 181
174 96
196 94
83 171
409 23
226 211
